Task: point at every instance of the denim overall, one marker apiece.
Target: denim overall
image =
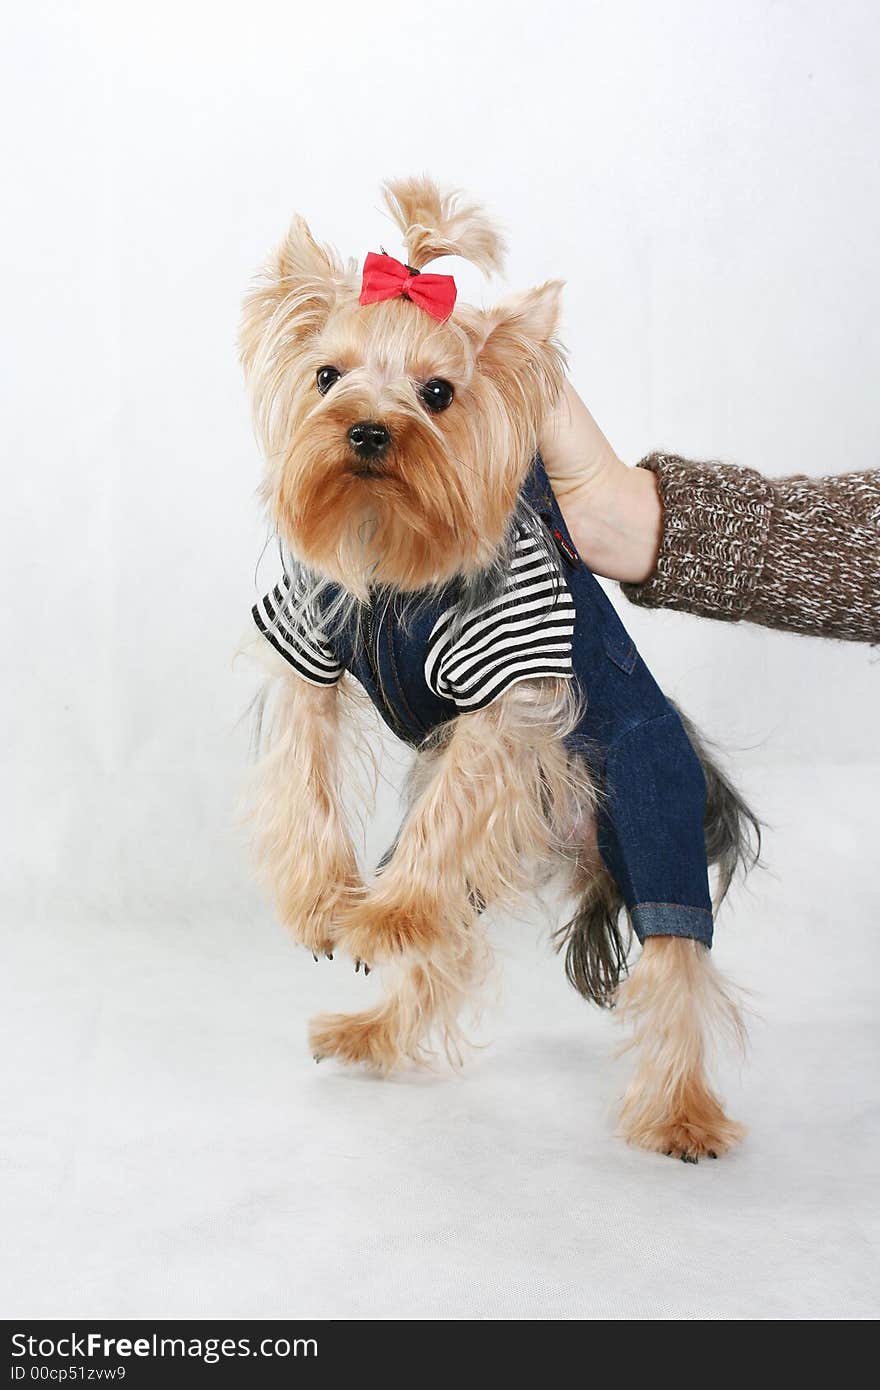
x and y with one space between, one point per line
650 823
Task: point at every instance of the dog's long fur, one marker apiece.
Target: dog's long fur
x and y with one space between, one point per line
504 767
495 800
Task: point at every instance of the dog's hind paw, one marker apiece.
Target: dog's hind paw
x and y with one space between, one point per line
689 1140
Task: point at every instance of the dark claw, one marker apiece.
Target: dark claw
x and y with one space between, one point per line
712 1153
329 955
357 966
318 1056
366 969
689 1158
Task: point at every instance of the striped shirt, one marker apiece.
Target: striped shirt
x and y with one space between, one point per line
296 635
522 633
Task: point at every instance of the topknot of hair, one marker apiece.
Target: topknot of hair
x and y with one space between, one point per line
433 223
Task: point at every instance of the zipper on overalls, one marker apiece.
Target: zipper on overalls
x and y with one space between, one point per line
372 630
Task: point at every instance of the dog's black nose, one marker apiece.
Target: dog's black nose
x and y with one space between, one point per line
368 439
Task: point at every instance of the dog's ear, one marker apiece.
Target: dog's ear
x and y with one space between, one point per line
292 298
516 341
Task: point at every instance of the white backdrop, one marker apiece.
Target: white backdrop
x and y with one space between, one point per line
705 177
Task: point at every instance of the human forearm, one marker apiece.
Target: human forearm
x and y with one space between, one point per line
616 523
801 554
720 541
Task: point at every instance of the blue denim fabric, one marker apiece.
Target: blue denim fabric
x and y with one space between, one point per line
650 822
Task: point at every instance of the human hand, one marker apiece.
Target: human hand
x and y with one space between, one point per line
576 453
613 512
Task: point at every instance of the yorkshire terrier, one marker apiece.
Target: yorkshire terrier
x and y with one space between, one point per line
425 556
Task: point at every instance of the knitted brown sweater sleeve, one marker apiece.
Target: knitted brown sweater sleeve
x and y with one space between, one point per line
797 553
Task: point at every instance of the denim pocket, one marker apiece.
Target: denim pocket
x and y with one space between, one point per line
620 647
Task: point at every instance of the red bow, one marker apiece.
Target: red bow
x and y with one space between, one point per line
386 278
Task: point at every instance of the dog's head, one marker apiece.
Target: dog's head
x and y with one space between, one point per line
396 443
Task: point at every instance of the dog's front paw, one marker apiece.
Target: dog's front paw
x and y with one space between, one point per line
378 927
313 915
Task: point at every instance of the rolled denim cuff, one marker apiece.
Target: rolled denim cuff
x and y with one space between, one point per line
672 919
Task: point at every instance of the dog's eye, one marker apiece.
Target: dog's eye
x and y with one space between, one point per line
327 377
437 394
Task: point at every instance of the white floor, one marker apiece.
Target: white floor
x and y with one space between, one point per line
171 1150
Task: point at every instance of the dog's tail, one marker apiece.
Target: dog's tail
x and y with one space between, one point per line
596 945
598 938
732 830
